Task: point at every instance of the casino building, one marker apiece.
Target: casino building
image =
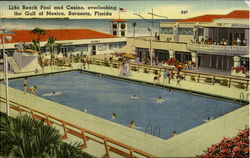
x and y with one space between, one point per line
211 41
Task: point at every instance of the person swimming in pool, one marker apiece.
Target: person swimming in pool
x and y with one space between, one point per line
159 100
54 93
134 97
113 116
132 124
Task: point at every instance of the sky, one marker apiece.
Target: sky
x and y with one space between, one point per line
178 9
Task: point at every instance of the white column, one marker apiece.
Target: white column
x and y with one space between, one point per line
247 36
171 53
236 61
194 59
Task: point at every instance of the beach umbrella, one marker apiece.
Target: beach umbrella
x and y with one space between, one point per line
127 55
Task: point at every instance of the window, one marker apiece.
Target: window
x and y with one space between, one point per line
166 30
114 33
201 32
185 31
114 26
112 46
120 45
123 26
102 47
122 33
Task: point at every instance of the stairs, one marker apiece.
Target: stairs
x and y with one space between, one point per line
13 65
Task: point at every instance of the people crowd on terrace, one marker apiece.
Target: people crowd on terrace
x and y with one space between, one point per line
225 42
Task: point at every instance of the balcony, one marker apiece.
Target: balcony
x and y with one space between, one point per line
218 49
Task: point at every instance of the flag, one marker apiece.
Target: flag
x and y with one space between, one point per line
122 10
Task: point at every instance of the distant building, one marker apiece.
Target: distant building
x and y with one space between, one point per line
118 27
70 41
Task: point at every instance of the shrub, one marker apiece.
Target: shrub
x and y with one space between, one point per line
192 78
115 66
208 80
105 63
155 72
217 80
237 146
146 71
240 85
224 82
97 63
133 68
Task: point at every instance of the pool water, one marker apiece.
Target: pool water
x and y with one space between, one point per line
175 111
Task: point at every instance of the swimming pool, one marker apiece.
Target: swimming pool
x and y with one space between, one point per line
102 97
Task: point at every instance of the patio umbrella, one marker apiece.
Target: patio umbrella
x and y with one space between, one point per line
127 55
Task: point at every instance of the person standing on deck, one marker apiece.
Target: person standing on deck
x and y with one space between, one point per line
25 85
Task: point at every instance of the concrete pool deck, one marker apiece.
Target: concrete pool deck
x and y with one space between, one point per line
188 144
187 85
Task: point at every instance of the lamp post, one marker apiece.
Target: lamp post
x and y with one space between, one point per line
5 60
152 22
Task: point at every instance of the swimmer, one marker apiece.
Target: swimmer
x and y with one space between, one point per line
208 119
52 94
174 134
132 124
160 100
114 116
134 97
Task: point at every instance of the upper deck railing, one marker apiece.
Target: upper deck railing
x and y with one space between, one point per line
220 49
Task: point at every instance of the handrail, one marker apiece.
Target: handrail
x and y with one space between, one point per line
68 130
159 130
201 75
149 125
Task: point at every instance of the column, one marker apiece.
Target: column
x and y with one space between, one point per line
247 36
171 53
176 34
194 59
236 61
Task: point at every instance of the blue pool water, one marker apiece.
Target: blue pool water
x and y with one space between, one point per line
102 97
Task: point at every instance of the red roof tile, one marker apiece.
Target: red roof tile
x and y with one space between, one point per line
119 20
203 18
59 34
237 14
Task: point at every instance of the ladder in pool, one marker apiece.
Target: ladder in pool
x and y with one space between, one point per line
14 65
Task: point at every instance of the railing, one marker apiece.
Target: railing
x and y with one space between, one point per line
212 79
218 48
110 145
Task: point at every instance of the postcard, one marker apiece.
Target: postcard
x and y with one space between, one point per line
124 78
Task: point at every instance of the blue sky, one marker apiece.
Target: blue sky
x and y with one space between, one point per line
170 9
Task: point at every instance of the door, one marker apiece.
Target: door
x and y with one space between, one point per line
93 50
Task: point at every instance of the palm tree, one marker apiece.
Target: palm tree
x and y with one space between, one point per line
51 43
134 25
38 32
25 137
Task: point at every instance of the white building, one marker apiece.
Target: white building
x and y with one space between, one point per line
211 41
70 41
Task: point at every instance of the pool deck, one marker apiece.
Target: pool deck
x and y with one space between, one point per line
188 144
187 85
